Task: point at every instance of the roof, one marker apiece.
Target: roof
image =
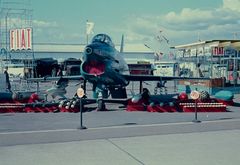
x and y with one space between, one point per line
54 47
211 43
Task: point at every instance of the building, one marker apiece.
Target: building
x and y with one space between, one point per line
216 59
64 51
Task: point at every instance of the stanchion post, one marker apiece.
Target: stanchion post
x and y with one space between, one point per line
195 95
196 115
80 93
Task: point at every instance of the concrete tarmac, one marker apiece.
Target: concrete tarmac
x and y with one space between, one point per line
120 138
143 141
209 148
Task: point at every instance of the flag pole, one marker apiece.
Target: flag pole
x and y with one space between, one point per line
86 33
89 29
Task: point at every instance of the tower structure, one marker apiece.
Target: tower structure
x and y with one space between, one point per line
16 32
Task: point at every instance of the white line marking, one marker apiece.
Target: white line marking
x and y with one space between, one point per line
39 131
117 127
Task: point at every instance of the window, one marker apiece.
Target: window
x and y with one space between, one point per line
103 38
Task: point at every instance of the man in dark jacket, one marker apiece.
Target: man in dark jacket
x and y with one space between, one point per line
8 85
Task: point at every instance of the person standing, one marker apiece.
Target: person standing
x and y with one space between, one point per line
59 72
8 84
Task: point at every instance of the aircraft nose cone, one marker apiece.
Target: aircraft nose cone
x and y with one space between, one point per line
88 50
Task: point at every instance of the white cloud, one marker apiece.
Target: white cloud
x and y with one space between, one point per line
188 24
53 32
179 27
232 5
44 24
188 15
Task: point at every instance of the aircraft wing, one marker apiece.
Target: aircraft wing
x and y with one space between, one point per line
159 78
42 79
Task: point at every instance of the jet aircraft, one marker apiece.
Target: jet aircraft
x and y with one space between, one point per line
105 67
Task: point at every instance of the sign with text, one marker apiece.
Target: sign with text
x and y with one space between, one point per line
218 51
21 39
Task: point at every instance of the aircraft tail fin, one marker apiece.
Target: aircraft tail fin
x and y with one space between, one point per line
122 44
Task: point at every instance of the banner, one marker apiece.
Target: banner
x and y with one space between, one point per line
21 39
218 51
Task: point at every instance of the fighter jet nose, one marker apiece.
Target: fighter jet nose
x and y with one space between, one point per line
88 50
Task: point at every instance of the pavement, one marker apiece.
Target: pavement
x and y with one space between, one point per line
213 148
121 138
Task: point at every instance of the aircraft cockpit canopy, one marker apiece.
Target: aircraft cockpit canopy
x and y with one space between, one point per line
103 38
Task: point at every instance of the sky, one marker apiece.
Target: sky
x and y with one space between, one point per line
180 21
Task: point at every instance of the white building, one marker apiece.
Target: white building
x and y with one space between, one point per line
217 58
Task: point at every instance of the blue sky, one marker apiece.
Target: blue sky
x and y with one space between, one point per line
182 21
